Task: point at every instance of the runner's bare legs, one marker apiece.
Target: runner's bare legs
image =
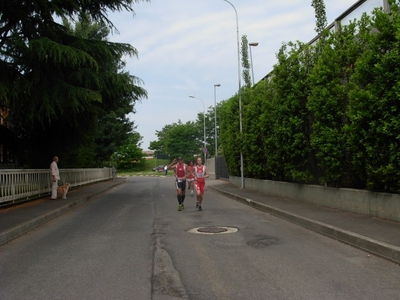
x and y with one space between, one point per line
180 182
201 174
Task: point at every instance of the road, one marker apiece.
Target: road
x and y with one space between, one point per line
133 243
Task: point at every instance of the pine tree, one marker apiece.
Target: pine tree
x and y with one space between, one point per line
55 82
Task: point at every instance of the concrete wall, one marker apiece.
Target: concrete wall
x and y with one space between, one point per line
382 205
211 167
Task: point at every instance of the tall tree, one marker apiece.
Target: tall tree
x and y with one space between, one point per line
130 153
112 125
245 61
320 15
179 139
55 83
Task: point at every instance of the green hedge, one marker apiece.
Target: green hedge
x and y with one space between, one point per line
326 115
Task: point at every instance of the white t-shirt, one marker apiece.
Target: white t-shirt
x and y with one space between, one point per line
54 170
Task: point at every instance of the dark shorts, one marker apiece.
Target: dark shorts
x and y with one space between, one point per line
181 185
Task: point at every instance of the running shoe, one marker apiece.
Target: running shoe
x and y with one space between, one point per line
180 207
200 209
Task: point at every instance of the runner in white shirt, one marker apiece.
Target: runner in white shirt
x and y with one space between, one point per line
200 173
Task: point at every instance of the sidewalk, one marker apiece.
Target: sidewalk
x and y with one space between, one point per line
374 235
377 236
18 220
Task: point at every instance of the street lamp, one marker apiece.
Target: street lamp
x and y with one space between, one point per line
204 129
215 128
240 97
251 59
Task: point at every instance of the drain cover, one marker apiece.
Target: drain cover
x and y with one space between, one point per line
213 230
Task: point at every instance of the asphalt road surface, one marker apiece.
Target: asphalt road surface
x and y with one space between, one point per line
133 243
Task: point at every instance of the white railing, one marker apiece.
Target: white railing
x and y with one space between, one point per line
24 184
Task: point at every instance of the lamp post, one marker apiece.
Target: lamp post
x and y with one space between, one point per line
204 129
215 128
251 58
240 97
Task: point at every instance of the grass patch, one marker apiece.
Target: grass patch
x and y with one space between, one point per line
145 168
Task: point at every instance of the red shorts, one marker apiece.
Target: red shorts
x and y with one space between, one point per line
200 184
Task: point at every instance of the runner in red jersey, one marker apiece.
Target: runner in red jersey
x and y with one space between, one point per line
200 173
180 182
190 177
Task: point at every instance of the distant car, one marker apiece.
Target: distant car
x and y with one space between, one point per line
159 168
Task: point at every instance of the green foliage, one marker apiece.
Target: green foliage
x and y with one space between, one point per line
257 120
374 104
245 61
291 137
230 134
112 130
328 102
186 140
327 113
178 139
145 168
129 155
58 81
320 15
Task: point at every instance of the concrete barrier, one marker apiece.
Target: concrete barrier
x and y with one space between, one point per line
211 167
381 205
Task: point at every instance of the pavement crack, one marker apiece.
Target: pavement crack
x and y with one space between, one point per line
166 282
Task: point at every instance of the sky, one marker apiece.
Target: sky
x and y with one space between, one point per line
185 47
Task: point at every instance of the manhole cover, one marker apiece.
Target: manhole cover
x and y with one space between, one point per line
213 230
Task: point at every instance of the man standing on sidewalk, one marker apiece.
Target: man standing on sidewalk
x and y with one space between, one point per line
55 176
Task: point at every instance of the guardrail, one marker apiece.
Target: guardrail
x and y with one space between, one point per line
22 184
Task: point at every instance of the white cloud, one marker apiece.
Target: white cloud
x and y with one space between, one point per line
187 46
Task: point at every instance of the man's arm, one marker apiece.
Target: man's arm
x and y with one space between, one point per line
53 168
185 166
173 164
53 171
205 172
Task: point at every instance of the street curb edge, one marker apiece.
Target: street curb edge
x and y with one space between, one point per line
378 248
25 227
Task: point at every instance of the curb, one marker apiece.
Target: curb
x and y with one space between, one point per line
19 230
384 250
